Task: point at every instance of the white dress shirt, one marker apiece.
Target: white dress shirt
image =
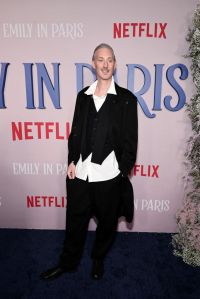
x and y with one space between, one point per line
109 167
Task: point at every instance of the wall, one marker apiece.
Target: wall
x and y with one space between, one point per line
46 49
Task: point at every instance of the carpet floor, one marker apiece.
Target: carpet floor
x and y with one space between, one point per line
139 266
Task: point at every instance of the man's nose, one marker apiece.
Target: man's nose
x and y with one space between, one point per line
105 63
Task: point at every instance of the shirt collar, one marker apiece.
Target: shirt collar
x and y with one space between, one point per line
92 88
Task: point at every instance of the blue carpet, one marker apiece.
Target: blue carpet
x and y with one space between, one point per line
139 266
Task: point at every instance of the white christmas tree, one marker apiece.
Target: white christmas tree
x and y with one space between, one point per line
186 242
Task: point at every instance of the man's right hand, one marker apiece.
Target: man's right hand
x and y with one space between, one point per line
71 171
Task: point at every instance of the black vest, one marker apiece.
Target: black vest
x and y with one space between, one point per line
95 123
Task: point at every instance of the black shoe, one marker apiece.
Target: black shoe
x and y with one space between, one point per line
97 269
55 272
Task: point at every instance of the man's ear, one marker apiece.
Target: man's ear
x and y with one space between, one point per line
93 64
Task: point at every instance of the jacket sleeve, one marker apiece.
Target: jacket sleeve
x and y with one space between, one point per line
129 136
73 133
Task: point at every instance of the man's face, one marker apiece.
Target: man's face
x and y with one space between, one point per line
104 64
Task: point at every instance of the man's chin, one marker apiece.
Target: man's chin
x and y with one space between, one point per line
105 77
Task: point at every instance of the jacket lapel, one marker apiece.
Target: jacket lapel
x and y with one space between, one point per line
84 113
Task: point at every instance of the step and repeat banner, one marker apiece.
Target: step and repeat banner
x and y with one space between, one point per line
45 59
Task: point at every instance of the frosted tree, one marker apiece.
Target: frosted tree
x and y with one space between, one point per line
186 242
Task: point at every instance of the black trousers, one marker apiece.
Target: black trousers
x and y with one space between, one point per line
85 199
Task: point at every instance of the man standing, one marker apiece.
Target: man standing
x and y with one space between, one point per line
102 150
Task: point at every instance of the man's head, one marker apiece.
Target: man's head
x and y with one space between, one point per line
103 61
103 45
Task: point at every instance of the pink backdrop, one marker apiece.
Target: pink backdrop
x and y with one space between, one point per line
45 42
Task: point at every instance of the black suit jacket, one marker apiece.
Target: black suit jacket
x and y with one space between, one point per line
121 123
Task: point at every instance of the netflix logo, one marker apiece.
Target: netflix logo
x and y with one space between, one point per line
133 30
38 201
40 130
151 171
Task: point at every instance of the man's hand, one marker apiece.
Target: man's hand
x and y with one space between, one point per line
71 171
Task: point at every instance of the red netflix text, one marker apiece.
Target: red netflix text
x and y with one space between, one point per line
126 30
45 201
39 130
145 171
